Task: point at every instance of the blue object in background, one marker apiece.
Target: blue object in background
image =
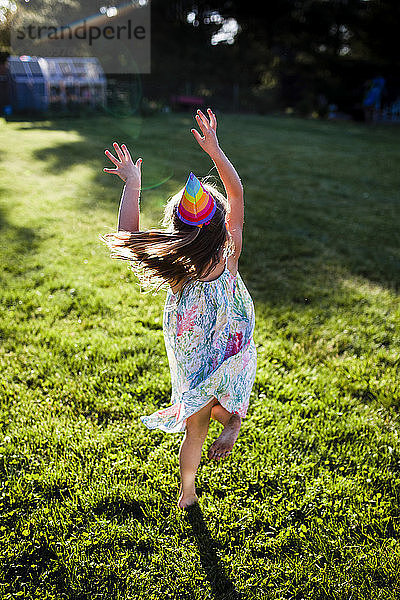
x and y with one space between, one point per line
27 84
372 98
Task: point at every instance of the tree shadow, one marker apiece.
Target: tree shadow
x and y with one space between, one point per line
68 154
51 120
16 240
222 587
322 205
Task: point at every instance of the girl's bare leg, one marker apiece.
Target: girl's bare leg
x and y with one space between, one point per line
220 414
224 442
190 453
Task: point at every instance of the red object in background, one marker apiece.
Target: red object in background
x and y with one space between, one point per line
187 101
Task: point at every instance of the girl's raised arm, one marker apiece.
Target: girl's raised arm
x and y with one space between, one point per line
130 173
227 172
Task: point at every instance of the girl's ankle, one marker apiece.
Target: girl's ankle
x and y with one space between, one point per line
187 491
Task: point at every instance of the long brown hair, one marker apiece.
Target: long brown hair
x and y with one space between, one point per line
179 254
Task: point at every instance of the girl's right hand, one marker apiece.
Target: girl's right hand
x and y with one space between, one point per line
209 143
126 168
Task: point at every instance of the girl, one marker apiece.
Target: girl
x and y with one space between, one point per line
208 319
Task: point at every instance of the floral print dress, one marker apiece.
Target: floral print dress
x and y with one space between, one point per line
208 336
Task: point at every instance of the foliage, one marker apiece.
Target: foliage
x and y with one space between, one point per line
308 51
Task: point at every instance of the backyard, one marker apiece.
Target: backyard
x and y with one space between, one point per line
307 504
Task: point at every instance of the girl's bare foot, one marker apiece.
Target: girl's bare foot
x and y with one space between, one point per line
187 499
225 441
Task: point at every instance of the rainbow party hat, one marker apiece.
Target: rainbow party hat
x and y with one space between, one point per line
197 206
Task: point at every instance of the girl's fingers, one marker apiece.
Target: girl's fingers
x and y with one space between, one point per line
119 151
138 163
213 120
126 152
197 136
111 171
201 125
203 118
111 157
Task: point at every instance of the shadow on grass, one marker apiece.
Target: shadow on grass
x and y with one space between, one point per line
16 240
52 119
66 155
119 509
222 587
27 567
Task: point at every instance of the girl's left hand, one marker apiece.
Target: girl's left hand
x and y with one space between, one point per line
126 168
209 142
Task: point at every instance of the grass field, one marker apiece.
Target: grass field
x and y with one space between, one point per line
307 505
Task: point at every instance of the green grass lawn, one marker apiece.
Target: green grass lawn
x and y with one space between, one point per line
307 505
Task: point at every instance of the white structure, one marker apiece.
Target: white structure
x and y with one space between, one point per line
38 83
